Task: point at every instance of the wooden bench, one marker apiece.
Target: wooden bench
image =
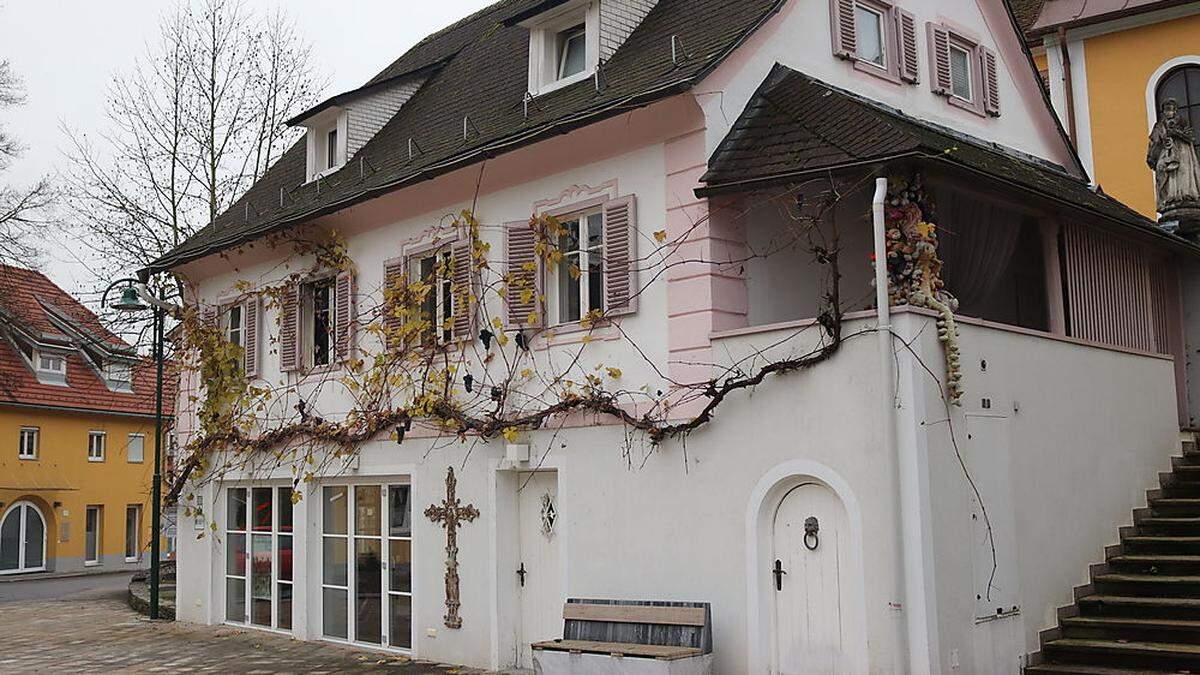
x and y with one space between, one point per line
665 631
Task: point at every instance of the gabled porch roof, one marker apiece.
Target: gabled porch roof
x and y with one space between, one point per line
796 126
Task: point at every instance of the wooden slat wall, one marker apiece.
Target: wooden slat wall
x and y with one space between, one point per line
1111 294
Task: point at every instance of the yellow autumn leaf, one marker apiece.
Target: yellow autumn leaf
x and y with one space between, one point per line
614 373
497 323
660 236
532 318
510 434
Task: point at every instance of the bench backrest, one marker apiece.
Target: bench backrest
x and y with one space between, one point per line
646 622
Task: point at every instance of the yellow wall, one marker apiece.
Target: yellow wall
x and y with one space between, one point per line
1119 66
63 462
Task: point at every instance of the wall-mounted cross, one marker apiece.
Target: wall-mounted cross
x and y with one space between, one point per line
451 514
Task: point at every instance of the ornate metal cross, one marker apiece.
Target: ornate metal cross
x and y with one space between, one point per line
451 513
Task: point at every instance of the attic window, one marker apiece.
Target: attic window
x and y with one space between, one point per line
331 149
564 46
326 142
50 363
119 376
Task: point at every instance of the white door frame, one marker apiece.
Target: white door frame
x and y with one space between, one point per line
21 569
765 499
384 483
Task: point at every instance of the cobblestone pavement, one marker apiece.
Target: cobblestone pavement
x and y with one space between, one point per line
98 633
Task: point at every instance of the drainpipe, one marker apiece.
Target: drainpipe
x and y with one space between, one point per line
910 539
1068 85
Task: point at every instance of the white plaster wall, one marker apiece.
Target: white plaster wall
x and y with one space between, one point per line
799 37
1088 429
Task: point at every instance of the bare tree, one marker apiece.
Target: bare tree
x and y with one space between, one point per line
22 209
189 129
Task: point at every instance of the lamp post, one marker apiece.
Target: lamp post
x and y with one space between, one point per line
131 301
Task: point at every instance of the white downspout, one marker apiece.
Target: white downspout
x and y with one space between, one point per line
910 542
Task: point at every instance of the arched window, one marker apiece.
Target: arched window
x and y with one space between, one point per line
1183 85
22 539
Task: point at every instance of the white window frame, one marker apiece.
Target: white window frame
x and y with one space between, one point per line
317 142
129 447
88 510
584 252
972 53
43 357
885 20
28 450
18 509
443 284
235 333
137 537
545 50
102 443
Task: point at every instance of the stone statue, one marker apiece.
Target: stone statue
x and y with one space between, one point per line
1172 156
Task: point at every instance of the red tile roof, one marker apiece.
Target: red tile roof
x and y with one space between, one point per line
27 299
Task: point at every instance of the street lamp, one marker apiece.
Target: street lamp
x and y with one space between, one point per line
132 301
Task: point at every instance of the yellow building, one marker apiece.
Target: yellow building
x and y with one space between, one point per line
76 435
1109 65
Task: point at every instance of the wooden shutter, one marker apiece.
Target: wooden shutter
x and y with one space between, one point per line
289 329
991 81
620 256
845 37
906 39
250 336
395 279
523 273
344 303
1109 289
939 59
462 282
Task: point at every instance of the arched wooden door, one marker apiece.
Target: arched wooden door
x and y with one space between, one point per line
809 559
22 539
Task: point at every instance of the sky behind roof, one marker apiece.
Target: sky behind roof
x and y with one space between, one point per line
67 70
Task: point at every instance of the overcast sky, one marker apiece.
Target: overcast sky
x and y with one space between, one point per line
68 50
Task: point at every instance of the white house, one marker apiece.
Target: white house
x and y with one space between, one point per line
705 159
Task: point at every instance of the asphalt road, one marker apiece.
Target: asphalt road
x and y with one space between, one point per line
64 588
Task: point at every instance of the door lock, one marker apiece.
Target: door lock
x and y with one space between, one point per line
521 574
778 572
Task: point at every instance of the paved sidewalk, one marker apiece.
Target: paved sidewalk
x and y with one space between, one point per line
100 634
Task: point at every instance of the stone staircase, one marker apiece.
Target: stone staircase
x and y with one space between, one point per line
1141 613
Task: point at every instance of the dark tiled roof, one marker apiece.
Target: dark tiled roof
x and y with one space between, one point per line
27 299
796 125
1026 12
485 78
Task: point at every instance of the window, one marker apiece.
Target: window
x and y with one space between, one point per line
577 280
27 445
433 270
133 532
50 363
22 539
322 302
93 518
869 23
135 450
963 70
1183 85
960 72
235 325
331 149
96 441
572 51
258 563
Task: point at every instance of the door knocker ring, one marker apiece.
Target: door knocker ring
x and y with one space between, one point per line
811 529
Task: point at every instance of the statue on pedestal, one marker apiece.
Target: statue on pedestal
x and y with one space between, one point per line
1172 156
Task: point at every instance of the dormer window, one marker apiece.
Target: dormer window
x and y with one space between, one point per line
326 142
119 376
564 45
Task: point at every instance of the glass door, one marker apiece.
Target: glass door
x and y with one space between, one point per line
258 563
368 601
22 539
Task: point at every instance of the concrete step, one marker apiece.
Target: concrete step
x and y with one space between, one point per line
1156 563
1168 656
1159 585
1137 629
1082 669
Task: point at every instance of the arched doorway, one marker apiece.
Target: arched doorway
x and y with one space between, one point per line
22 539
1183 85
810 549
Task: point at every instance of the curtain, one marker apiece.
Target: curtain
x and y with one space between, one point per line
976 240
